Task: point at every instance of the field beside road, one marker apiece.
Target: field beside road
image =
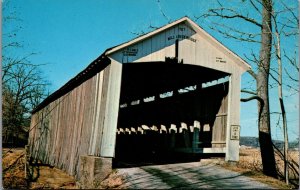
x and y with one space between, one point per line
250 164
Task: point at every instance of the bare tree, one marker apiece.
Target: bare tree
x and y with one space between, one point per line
285 24
279 30
23 88
23 84
280 95
264 38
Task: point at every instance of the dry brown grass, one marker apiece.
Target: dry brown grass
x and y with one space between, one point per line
13 169
14 174
250 165
53 178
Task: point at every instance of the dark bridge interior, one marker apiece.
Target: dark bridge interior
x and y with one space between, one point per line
168 113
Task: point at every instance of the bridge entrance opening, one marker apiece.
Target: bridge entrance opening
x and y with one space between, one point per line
170 112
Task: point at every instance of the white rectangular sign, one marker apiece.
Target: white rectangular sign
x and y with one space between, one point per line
235 132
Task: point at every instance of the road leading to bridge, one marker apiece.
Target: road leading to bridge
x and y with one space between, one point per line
187 175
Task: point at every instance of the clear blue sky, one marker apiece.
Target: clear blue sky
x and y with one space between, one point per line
69 34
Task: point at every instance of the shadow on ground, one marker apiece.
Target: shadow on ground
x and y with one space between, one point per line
187 175
159 158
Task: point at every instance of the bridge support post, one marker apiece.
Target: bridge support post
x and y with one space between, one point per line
93 170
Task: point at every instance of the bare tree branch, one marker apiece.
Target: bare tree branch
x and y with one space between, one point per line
227 34
295 17
163 13
292 78
251 72
249 92
231 14
293 61
259 99
255 7
242 36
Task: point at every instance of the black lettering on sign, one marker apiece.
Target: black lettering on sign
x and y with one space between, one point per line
220 60
170 37
181 29
181 37
235 132
130 51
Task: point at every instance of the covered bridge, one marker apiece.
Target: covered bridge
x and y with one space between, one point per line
175 89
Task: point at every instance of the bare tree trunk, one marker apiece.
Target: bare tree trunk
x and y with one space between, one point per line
286 141
284 122
265 140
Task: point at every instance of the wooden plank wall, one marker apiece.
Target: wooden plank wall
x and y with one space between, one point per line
71 125
220 124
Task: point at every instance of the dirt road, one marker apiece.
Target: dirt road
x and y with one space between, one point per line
187 175
195 175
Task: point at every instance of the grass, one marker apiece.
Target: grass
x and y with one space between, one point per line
250 165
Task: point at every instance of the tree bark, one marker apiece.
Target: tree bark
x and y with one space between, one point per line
265 140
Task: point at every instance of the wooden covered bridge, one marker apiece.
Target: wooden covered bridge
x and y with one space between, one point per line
174 89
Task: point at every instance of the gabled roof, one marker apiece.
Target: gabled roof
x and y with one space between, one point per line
242 63
102 61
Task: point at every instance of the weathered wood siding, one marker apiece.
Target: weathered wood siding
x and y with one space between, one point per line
71 125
